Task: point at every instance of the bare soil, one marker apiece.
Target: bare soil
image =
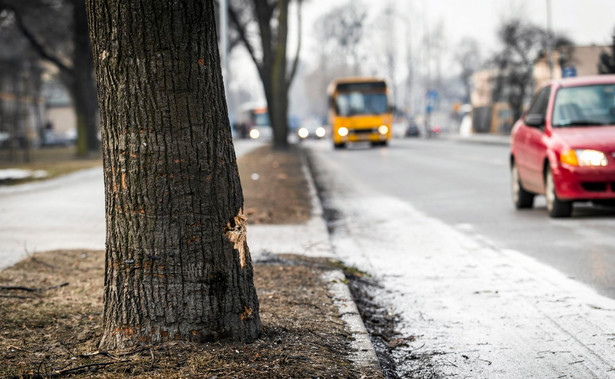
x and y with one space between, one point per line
51 307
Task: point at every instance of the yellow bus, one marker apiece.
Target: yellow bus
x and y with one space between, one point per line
359 111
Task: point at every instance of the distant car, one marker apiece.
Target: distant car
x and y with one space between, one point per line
413 130
311 129
564 145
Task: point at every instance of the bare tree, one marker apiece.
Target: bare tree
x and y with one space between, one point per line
522 43
177 261
340 33
262 26
469 58
21 84
338 36
57 31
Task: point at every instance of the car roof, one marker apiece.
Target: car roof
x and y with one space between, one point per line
584 81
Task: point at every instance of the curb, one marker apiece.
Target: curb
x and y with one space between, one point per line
364 355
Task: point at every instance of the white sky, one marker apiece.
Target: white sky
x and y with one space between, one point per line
585 21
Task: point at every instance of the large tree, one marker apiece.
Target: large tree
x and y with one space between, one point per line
177 261
58 31
269 53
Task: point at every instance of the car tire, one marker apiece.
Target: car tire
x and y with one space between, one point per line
557 208
521 198
340 145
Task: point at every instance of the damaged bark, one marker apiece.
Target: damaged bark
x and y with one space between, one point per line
172 190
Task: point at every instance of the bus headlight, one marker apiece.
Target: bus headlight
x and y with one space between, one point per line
303 133
383 129
343 132
320 132
254 134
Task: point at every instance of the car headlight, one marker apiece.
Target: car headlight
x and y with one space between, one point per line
383 129
320 132
303 133
254 134
343 132
584 158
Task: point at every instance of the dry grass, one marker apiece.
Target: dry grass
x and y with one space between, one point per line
57 330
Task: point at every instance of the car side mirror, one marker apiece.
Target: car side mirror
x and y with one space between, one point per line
535 120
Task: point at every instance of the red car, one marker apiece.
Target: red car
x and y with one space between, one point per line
564 145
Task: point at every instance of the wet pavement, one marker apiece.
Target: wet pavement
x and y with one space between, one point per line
472 308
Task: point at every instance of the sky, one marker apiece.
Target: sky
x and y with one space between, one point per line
585 21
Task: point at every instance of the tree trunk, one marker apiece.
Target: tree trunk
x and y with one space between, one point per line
83 88
279 85
177 261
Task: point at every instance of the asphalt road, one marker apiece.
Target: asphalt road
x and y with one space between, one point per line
467 186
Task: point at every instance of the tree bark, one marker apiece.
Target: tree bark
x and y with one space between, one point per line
177 261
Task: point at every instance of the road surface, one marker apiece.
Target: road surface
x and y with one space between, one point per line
482 289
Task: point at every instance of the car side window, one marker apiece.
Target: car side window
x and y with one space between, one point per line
540 103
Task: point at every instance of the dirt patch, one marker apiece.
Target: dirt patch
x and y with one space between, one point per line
274 187
55 328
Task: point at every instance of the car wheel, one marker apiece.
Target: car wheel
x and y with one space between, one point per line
339 145
521 198
556 207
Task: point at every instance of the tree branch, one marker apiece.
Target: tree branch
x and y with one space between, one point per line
293 70
34 42
241 30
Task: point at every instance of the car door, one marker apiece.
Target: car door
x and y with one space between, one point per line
531 143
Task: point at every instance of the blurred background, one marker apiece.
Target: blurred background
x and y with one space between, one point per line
451 66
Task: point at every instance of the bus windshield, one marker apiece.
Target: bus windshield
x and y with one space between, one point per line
261 119
359 103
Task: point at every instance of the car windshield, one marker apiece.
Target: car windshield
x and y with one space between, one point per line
358 103
585 106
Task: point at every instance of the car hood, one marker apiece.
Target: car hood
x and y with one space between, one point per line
598 138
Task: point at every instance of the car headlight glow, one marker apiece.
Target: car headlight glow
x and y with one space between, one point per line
254 134
383 129
343 132
584 158
303 133
320 132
